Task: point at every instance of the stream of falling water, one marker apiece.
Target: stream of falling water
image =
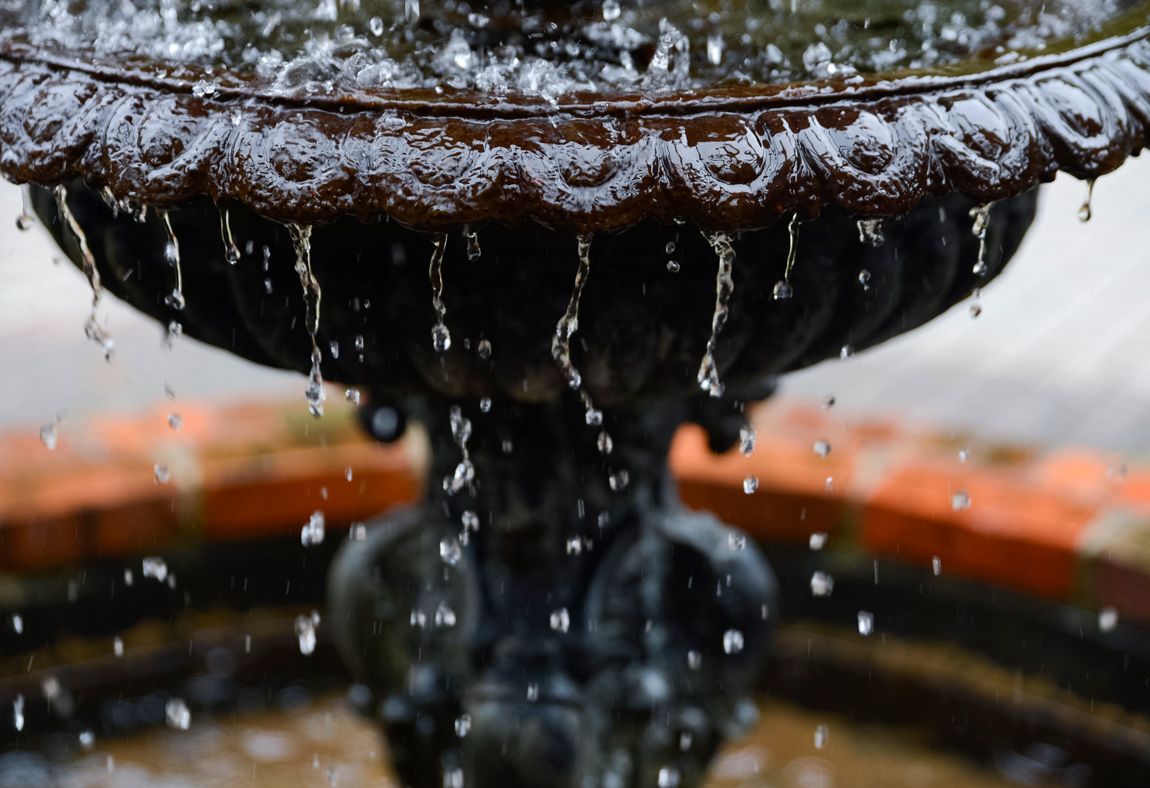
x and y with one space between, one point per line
440 336
24 221
172 254
301 240
981 216
231 251
561 345
708 376
92 327
464 472
783 289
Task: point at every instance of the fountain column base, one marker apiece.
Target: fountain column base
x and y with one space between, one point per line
588 632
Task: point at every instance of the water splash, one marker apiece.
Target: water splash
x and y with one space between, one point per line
172 254
301 240
231 251
92 328
708 375
1086 212
440 336
981 216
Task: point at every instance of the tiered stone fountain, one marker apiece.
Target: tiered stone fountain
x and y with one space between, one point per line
632 216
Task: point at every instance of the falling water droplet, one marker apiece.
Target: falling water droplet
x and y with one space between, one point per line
561 620
593 417
155 568
822 734
747 440
118 646
963 455
444 616
604 442
450 551
48 435
715 49
936 565
352 396
750 484
305 632
1107 619
177 714
473 250
694 660
18 712
375 25
462 725
312 532
871 232
611 10
672 266
864 279
1086 212
175 421
822 448
847 351
231 251
732 641
440 336
619 480
532 692
685 741
782 291
866 623
668 777
708 375
818 541
17 623
574 546
960 501
161 474
822 584
828 402
975 310
484 349
485 405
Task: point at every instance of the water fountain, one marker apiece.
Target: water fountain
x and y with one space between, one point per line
552 234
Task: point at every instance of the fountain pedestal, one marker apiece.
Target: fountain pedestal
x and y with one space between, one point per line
556 617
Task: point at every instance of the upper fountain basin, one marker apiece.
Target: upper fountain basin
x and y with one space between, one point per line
581 117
